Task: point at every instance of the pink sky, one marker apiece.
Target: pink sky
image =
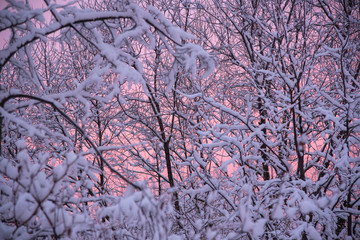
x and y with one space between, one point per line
4 35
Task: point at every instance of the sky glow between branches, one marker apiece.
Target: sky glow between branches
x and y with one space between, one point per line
180 119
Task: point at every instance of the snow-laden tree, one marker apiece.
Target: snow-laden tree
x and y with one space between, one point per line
284 130
66 147
112 127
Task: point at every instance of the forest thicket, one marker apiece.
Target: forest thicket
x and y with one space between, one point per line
173 119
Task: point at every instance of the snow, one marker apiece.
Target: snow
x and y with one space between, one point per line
25 207
41 187
307 206
21 144
291 211
71 157
323 202
5 231
222 128
278 212
312 233
256 229
59 172
11 171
